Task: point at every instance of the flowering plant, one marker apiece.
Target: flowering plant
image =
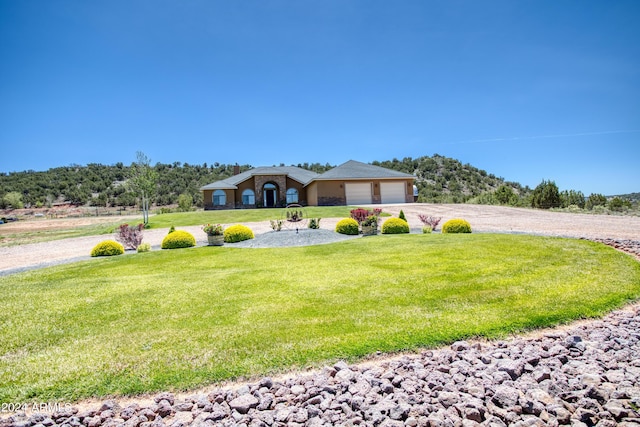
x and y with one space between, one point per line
371 221
213 229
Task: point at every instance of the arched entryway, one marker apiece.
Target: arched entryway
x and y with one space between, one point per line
270 195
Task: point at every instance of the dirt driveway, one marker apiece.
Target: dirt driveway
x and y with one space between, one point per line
498 219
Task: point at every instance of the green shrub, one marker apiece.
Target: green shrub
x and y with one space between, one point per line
237 233
456 225
314 223
144 247
107 248
171 229
347 226
395 226
178 239
402 217
426 229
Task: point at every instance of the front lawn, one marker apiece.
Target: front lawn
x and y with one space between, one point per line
179 319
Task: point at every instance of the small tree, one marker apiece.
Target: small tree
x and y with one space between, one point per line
142 181
505 195
130 235
546 196
185 202
13 199
595 200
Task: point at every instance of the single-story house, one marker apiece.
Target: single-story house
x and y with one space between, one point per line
351 183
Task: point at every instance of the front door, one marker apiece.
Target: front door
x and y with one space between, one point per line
270 195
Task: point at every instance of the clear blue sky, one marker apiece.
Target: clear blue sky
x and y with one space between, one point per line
527 90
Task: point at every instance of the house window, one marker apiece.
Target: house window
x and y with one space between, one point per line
292 196
219 198
248 197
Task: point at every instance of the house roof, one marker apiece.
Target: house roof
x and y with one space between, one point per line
303 176
357 170
346 171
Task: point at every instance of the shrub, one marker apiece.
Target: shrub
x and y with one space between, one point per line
426 230
402 217
359 214
456 225
178 239
171 229
276 224
430 221
237 233
144 247
185 202
130 235
314 223
395 226
107 248
546 195
347 226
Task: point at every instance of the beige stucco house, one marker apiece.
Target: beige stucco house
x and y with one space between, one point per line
351 183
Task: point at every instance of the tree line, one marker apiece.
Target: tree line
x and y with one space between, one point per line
439 179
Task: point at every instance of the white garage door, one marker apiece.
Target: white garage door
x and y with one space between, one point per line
392 192
358 194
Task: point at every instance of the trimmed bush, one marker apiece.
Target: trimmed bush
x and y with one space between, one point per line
395 226
456 225
347 226
178 239
237 233
402 217
107 248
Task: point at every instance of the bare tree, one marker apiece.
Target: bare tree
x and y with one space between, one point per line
143 181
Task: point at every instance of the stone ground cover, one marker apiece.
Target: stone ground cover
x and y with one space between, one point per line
180 319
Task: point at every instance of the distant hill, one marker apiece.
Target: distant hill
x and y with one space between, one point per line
438 178
442 179
632 197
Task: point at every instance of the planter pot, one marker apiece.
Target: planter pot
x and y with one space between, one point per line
215 240
369 230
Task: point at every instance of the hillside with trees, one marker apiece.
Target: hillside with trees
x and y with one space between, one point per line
439 179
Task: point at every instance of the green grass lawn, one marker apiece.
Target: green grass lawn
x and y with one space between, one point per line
175 320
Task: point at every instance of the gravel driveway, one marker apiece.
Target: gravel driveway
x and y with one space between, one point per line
497 219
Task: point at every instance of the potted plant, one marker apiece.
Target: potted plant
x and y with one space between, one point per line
370 225
215 234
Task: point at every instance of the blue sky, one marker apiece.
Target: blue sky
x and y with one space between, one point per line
527 90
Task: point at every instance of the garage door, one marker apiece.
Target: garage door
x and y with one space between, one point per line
392 192
358 194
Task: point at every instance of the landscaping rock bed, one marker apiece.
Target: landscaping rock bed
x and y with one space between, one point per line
585 375
289 238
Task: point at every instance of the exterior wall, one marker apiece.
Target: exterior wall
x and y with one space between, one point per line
248 184
302 192
331 193
312 194
208 200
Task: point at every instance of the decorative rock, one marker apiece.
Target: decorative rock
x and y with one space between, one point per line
243 403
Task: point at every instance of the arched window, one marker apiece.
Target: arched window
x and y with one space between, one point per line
219 198
248 197
292 196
